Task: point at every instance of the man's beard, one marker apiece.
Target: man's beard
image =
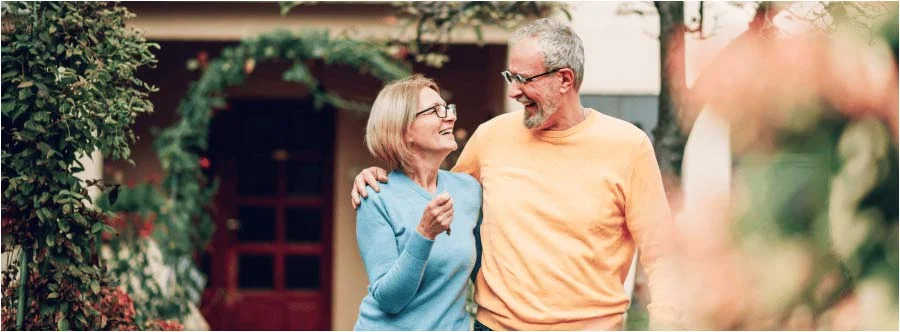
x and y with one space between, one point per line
537 119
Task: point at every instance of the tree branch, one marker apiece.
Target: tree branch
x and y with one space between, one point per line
699 28
635 8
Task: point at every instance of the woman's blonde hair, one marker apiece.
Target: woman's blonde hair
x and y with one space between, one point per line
392 114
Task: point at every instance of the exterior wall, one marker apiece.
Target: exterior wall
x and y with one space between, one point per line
622 54
225 21
638 109
350 280
622 51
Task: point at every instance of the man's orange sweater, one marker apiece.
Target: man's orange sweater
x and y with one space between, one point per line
562 212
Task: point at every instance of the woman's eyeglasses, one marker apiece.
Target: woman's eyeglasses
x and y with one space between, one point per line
440 111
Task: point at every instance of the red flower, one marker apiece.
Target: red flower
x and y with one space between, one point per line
146 225
153 178
165 325
204 163
249 65
400 53
390 20
117 309
146 229
203 59
118 220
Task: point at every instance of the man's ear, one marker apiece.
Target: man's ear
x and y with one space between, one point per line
568 80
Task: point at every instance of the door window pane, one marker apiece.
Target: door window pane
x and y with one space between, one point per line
256 176
257 224
265 126
256 272
304 178
303 225
301 272
311 131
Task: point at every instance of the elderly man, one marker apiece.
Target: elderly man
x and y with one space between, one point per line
568 193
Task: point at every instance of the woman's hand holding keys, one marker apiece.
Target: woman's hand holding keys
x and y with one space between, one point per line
437 217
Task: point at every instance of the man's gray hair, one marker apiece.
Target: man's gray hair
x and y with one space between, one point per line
559 44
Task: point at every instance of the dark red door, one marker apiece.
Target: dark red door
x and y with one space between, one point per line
270 259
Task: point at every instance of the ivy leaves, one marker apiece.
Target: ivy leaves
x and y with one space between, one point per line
69 88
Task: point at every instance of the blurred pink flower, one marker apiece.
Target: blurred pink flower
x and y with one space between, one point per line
760 85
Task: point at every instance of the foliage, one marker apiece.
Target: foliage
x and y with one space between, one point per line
828 16
120 307
121 313
434 23
133 258
813 195
164 325
863 18
69 87
890 34
813 237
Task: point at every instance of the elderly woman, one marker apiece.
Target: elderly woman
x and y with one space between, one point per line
418 268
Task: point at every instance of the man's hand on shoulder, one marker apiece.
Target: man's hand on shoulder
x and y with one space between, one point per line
368 177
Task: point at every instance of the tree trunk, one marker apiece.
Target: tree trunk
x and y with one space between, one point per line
668 138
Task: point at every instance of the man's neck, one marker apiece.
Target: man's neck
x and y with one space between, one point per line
569 114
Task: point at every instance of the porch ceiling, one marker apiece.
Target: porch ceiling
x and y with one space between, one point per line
231 21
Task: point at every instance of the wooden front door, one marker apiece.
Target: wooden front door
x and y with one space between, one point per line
270 260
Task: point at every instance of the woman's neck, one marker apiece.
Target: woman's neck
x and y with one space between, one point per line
424 171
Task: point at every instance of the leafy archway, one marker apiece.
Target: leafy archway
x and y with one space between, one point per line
183 224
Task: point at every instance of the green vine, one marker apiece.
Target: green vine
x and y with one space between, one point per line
69 87
131 256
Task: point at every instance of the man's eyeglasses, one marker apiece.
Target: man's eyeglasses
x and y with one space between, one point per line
510 77
440 111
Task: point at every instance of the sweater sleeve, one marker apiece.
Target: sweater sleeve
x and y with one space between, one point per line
649 221
394 276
